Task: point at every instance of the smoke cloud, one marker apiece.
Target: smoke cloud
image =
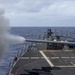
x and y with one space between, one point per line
14 39
5 37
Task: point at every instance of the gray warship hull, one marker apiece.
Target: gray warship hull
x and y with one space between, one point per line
47 59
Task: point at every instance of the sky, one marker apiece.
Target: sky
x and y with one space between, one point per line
29 13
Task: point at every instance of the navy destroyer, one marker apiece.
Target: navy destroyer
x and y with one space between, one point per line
53 55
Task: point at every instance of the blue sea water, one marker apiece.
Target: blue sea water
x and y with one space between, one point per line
32 33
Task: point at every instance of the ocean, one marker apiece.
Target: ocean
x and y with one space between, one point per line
28 33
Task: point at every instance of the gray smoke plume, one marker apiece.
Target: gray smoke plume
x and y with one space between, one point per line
5 37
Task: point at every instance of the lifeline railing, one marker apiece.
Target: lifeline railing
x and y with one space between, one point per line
19 54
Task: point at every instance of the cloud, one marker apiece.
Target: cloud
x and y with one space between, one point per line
42 12
32 5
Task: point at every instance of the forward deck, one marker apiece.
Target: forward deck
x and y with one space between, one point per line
46 62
